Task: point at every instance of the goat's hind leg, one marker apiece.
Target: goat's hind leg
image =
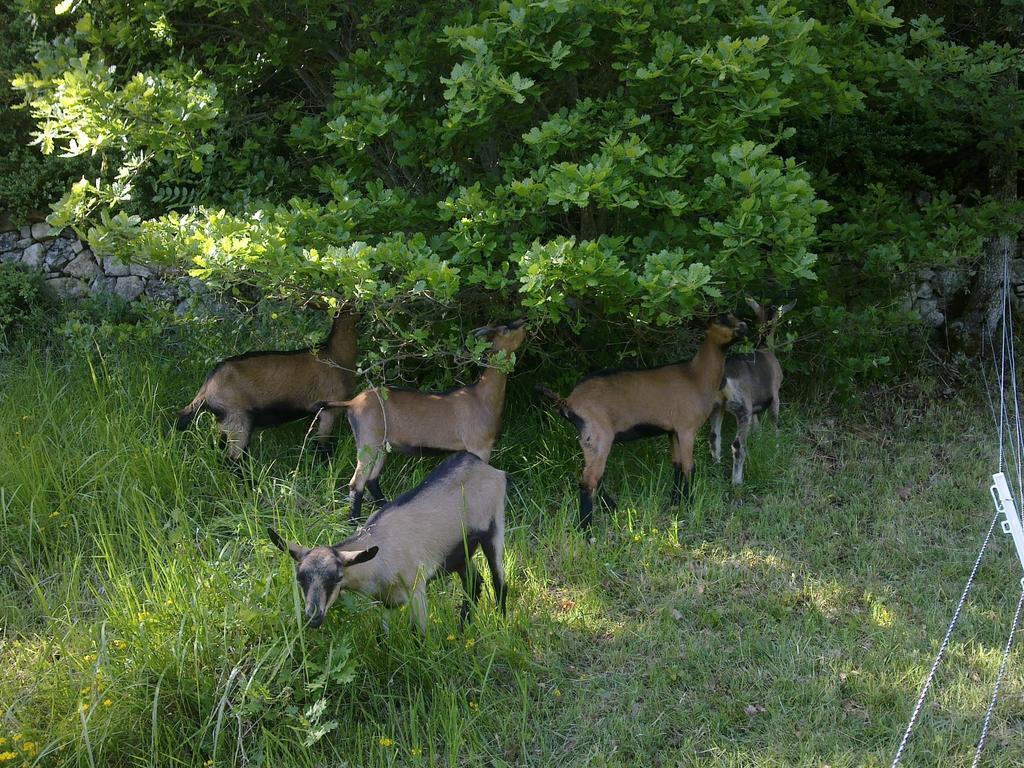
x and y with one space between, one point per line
716 432
682 466
369 462
739 443
324 428
494 552
236 430
472 583
596 445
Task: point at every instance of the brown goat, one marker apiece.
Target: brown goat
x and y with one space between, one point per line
410 421
262 389
618 406
749 388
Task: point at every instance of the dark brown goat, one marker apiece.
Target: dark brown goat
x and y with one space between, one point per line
749 388
617 406
410 421
263 389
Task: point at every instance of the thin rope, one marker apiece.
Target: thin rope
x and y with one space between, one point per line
1017 435
1008 330
942 648
999 681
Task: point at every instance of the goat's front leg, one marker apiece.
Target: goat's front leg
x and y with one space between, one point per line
716 433
418 605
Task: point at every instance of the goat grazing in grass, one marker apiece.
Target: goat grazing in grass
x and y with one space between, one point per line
617 406
262 389
435 528
749 388
410 421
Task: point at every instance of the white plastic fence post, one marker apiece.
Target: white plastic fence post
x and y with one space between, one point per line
1011 520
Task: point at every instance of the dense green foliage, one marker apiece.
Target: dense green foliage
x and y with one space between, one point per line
145 619
632 161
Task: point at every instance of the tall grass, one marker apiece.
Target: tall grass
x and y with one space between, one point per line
147 621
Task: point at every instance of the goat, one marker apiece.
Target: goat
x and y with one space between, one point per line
262 389
617 406
749 388
435 528
411 421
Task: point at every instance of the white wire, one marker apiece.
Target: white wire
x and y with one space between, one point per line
999 681
1016 432
942 648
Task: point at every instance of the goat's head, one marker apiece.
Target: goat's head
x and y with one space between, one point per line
321 573
726 329
769 314
504 338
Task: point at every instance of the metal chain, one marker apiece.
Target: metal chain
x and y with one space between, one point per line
945 644
999 681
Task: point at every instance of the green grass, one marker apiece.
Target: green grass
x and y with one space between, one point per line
147 620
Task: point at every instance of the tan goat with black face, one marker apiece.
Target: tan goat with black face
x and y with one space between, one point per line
431 530
411 421
611 407
750 386
262 389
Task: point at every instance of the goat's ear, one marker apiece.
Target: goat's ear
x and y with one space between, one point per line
354 558
785 309
294 550
515 325
754 305
481 332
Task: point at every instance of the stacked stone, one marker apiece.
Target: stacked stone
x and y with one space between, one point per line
71 270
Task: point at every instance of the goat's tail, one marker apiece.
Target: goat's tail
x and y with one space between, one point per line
188 414
320 405
556 399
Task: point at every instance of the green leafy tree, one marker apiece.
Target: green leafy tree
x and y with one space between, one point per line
437 162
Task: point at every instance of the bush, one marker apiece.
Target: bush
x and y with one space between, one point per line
23 301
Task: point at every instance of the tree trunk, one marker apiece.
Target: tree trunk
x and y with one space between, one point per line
984 309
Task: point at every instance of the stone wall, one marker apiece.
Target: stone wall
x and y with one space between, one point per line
941 294
71 270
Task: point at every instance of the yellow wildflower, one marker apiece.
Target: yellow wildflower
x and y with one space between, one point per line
142 616
474 706
83 707
451 638
55 514
556 693
2 741
17 737
415 752
5 756
120 644
29 748
386 742
470 643
636 537
107 702
89 658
